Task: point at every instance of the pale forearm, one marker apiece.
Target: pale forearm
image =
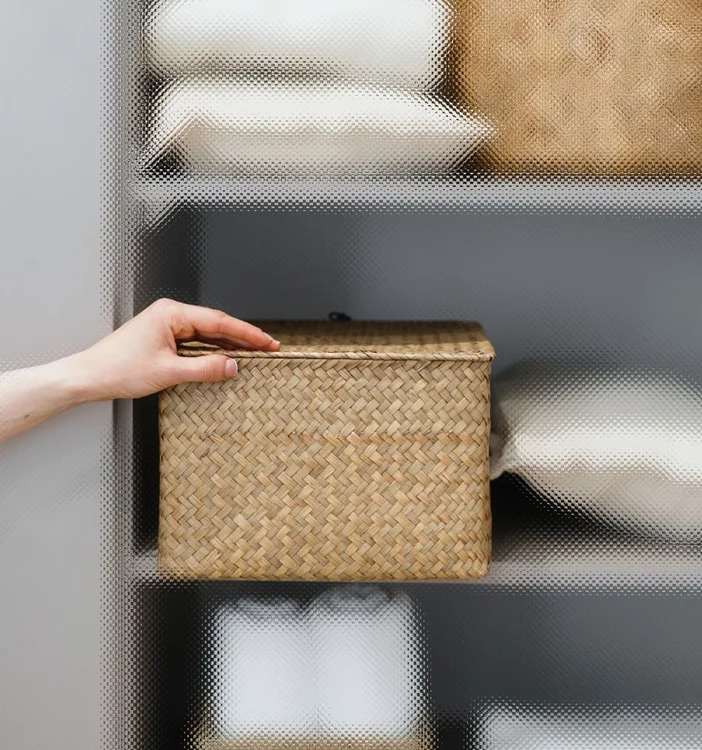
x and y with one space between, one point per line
136 360
35 394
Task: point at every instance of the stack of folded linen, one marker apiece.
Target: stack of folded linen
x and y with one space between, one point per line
622 446
344 671
260 676
306 87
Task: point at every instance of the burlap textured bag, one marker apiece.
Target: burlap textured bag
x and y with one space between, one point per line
585 85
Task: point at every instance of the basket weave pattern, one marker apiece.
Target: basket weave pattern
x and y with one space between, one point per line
333 463
586 85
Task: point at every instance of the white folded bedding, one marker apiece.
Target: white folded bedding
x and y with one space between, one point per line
369 669
506 725
347 668
229 125
399 42
261 680
620 446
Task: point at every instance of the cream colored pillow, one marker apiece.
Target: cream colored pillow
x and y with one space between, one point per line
622 447
224 125
395 42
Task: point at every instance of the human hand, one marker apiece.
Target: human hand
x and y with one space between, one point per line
141 358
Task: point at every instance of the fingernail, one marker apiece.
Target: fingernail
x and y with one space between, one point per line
275 342
230 368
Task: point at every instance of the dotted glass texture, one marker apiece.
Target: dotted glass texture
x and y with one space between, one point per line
532 165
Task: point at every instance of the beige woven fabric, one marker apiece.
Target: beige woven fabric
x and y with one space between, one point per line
342 468
381 340
585 85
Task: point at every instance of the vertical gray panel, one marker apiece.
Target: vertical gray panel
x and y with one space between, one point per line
50 192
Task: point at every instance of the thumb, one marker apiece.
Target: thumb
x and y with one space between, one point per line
209 369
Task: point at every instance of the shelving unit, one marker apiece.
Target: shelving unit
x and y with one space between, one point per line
459 193
554 266
378 247
532 556
557 281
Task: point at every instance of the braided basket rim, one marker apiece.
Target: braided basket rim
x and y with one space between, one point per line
474 348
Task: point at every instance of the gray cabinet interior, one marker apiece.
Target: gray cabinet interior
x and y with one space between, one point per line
577 622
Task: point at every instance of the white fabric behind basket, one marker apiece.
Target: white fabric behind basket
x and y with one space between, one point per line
400 42
619 446
231 126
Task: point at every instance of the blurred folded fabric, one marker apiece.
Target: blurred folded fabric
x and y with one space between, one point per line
343 671
369 667
517 726
621 446
398 42
236 125
262 687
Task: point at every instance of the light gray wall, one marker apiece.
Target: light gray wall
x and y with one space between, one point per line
50 183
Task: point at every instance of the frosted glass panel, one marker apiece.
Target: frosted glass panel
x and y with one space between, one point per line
535 166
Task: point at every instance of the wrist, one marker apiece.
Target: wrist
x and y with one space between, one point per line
70 378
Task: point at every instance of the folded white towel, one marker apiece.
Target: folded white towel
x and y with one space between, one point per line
348 668
261 676
401 42
515 726
225 125
623 447
369 668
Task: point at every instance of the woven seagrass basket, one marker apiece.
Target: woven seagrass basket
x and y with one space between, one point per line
585 86
357 452
314 743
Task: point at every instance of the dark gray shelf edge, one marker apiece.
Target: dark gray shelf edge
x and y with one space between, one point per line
463 194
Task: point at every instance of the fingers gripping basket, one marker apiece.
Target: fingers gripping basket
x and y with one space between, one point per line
357 452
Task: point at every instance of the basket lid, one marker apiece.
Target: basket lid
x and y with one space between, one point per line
440 340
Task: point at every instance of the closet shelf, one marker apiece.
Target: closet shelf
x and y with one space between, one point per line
451 194
543 562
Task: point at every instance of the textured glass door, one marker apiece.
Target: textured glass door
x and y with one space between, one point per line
534 166
531 166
